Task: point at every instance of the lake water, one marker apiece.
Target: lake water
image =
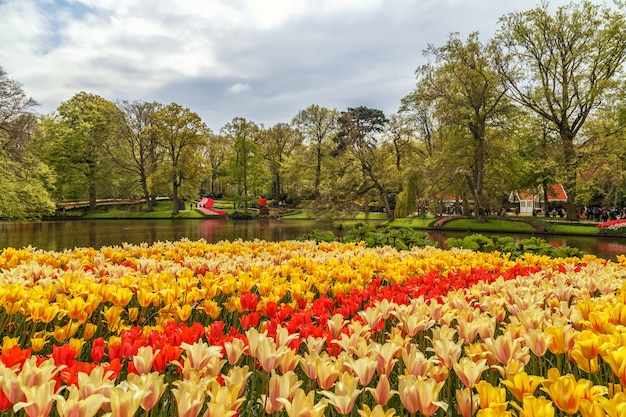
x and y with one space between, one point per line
67 234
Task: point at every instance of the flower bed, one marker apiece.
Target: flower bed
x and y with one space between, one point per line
613 226
298 328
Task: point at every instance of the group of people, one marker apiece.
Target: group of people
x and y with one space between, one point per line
600 214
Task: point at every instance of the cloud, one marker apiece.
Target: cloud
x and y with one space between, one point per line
207 55
239 88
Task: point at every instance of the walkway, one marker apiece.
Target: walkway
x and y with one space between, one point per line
205 206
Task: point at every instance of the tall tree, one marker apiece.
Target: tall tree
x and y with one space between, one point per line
180 134
75 140
216 155
317 125
136 147
469 100
16 116
559 65
25 181
359 133
278 143
244 162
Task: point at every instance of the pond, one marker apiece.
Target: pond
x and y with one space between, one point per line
67 234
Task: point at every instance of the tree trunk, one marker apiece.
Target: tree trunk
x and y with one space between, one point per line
175 196
570 173
479 173
318 171
92 185
146 193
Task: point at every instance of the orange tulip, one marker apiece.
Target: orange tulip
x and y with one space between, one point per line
420 394
469 372
466 402
537 341
234 350
383 392
364 368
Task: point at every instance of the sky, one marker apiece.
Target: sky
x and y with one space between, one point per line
263 60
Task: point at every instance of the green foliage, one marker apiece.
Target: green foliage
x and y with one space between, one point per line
241 215
534 245
475 242
318 236
24 194
400 238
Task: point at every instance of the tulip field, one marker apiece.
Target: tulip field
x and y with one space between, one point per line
255 328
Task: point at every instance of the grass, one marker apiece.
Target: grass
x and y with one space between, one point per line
162 210
578 229
414 222
492 225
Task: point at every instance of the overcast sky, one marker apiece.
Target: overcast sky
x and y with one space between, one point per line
263 60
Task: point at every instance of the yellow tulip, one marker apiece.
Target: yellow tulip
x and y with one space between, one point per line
304 405
74 405
469 372
190 395
564 391
378 411
364 368
344 395
535 407
39 399
522 384
490 396
280 386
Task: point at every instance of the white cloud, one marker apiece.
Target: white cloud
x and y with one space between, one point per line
239 88
294 52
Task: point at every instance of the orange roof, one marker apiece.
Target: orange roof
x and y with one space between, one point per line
556 192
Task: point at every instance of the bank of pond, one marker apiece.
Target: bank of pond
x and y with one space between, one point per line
507 235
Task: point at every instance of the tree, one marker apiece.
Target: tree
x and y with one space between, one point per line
136 148
216 155
359 131
317 125
74 143
469 101
244 162
24 180
16 116
278 143
180 134
559 66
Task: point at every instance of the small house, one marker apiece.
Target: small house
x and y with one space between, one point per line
530 202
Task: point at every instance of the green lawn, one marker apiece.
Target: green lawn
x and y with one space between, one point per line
492 225
162 210
415 222
576 229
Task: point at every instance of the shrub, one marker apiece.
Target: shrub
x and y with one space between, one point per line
318 236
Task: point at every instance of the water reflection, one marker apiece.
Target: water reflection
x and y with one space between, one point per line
59 235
